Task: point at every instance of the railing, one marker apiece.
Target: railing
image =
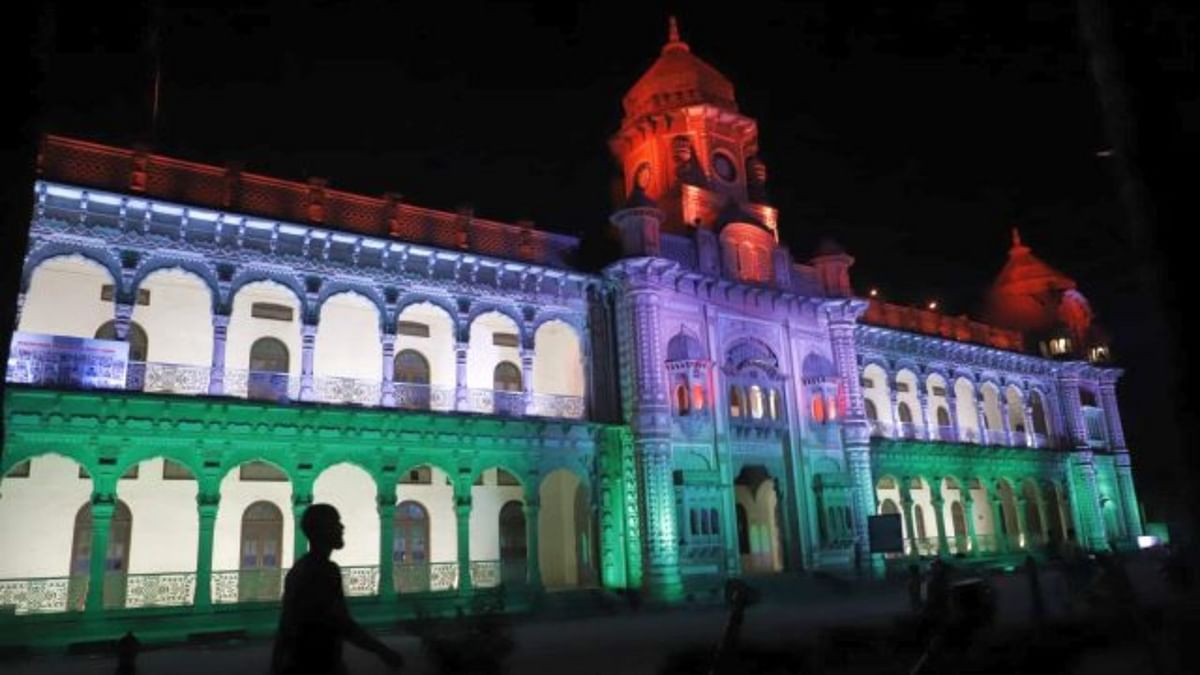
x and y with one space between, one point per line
360 581
496 402
906 430
995 437
45 595
168 378
927 546
485 573
262 386
556 405
960 544
256 585
347 390
422 396
946 434
171 589
425 577
1019 439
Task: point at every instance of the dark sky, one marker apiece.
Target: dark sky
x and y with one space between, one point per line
916 136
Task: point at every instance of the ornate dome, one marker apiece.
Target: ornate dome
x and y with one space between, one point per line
1027 292
678 78
685 347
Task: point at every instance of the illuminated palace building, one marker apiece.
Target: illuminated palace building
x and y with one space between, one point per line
201 352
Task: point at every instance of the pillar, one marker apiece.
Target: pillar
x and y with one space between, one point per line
1090 530
1027 413
103 507
981 420
906 507
307 345
387 395
122 317
969 515
894 407
216 377
386 503
527 379
1004 421
461 398
999 526
301 500
1072 408
930 423
935 498
206 508
462 512
1129 500
1022 522
533 565
952 405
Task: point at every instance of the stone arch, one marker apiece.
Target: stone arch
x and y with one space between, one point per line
48 251
1014 400
238 494
966 412
39 511
179 317
352 490
558 359
924 514
492 488
245 329
63 296
876 390
483 352
335 287
252 274
1039 414
347 347
990 394
758 493
480 309
437 343
201 270
163 504
566 533
908 380
429 483
1009 526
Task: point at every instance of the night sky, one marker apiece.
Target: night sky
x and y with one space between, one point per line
915 136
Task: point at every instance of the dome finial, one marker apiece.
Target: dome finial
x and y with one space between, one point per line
1016 237
673 41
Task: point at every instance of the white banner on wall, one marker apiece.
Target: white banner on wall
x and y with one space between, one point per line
57 360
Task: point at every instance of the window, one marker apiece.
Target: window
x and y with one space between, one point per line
412 329
271 311
943 417
21 470
261 471
902 387
421 475
138 342
1059 346
697 397
939 391
506 340
904 413
268 355
175 471
818 408
756 402
867 383
411 540
506 377
107 291
261 552
411 367
735 402
773 404
681 399
831 409
872 412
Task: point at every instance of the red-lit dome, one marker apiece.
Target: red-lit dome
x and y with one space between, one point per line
678 78
1026 293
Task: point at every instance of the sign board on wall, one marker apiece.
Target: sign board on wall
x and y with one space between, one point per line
61 361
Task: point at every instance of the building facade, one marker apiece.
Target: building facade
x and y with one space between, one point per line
201 352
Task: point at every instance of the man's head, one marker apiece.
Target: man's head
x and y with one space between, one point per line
323 526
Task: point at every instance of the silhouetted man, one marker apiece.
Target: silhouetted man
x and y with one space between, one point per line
314 620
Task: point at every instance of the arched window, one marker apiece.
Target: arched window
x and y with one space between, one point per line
943 416
512 532
681 399
1038 413
872 412
818 408
262 536
831 409
411 367
756 402
138 342
773 404
694 516
411 533
904 413
116 559
735 402
712 517
697 397
506 377
268 355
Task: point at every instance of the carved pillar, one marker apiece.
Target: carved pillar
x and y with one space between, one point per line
461 400
1129 501
527 379
103 507
216 378
301 500
969 514
387 395
935 498
1027 414
1072 408
206 507
1004 422
952 405
906 507
999 525
928 431
894 407
462 512
307 345
652 442
385 502
981 420
20 308
533 568
1112 414
122 317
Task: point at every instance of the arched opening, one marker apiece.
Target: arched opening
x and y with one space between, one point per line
697 397
906 420
259 575
912 418
268 372
877 400
410 547
756 401
1015 404
163 494
565 533
178 308
67 295
347 351
506 377
938 397
493 372
427 330
1037 411
513 543
924 515
493 488
1009 526
966 412
263 309
410 373
995 432
1036 535
116 558
743 531
943 417
958 521
755 493
1056 533
682 402
736 406
429 562
352 491
139 343
558 374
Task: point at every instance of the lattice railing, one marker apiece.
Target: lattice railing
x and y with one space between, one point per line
260 585
174 378
423 396
261 385
360 581
172 589
425 577
555 405
485 573
44 595
347 390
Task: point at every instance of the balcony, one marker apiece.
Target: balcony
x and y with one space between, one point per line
283 388
946 434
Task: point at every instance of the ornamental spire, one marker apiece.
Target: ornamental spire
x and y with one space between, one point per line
673 41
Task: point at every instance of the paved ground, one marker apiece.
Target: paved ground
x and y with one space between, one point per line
630 642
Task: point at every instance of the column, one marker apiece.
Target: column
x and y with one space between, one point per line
1008 438
923 403
652 442
527 380
386 504
1112 414
103 506
1027 414
387 395
935 498
1044 525
894 407
1072 408
952 405
981 419
216 377
122 316
906 507
1129 500
999 526
309 341
462 511
206 508
301 500
533 565
461 399
1022 522
969 515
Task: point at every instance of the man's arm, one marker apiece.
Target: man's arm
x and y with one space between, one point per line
358 636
